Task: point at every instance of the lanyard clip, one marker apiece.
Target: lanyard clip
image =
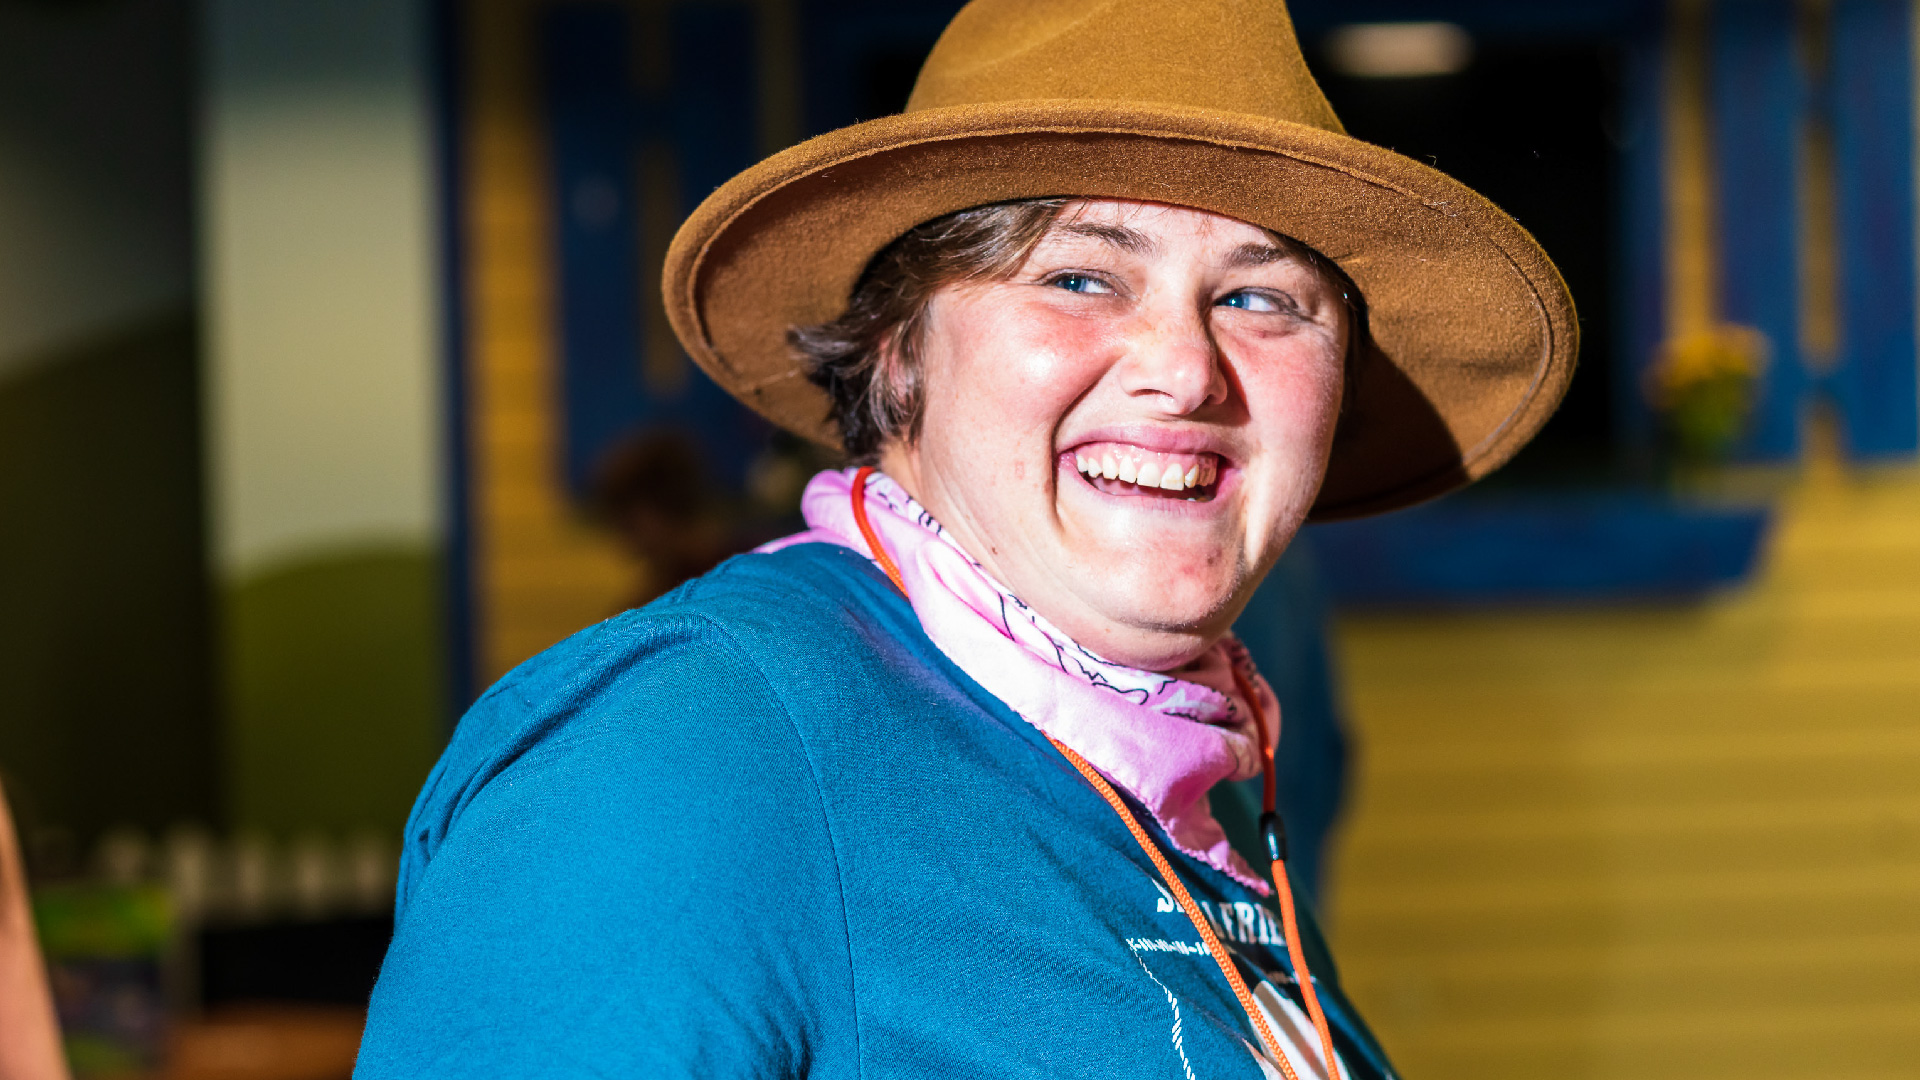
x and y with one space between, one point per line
1276 834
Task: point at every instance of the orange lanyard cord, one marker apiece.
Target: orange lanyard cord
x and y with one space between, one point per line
1132 822
866 531
1283 887
1187 904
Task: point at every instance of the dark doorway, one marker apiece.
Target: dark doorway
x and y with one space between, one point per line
1525 124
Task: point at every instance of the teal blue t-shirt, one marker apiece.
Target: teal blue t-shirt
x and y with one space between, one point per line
763 828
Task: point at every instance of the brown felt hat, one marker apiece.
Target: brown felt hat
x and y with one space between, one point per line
1200 103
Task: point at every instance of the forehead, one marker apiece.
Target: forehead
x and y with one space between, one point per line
1144 227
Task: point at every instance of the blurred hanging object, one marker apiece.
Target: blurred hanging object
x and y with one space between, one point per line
1704 379
1703 385
29 1035
656 493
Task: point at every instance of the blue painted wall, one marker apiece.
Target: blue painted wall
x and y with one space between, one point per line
1871 98
702 123
1758 98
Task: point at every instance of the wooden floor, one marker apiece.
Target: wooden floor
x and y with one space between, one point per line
1658 842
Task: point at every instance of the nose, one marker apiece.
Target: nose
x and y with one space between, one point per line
1173 356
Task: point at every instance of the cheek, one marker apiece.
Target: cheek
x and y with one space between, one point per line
1011 375
1294 395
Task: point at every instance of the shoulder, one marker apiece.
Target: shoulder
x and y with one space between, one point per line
809 596
603 828
764 612
754 618
724 661
806 598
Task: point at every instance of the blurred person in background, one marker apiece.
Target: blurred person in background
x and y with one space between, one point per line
655 493
29 1033
1101 320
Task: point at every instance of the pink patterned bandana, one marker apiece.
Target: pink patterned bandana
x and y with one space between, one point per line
1165 739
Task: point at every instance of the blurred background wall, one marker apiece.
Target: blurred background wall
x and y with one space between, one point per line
220 400
320 253
104 611
326 331
222 489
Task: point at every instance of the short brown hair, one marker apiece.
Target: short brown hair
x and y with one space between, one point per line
868 359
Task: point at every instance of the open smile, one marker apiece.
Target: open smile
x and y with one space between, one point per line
1116 468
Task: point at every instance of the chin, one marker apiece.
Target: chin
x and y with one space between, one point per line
1146 596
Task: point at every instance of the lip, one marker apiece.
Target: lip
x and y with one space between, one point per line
1159 441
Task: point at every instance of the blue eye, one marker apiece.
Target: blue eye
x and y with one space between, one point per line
1247 300
1081 283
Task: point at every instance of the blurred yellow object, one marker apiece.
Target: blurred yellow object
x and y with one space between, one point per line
29 1035
1703 385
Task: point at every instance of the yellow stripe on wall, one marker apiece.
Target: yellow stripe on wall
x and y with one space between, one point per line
1692 226
541 571
1656 842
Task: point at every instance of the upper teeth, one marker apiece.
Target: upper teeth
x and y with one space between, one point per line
1147 473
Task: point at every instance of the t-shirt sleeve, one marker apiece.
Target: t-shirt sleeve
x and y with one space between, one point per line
620 868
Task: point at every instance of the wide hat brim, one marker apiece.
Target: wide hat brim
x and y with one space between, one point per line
1474 332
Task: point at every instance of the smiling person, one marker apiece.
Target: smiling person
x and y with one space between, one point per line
1101 320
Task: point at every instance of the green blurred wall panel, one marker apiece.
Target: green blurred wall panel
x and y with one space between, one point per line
106 703
336 689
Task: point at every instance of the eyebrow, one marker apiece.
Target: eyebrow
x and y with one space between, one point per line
1253 254
1132 241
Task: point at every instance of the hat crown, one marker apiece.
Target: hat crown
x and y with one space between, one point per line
1236 56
